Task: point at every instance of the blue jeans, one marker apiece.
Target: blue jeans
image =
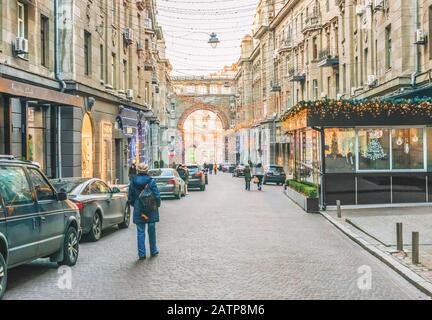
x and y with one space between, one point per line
141 235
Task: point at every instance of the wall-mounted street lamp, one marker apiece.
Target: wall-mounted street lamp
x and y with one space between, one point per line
213 41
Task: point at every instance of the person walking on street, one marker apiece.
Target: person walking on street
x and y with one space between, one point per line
247 176
259 173
215 168
211 167
144 196
186 179
132 171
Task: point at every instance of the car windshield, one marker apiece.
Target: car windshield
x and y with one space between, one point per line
68 185
161 173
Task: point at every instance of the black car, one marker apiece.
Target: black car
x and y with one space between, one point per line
196 178
36 221
239 171
274 174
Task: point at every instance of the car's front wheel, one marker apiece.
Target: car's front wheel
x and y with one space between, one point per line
126 221
3 276
70 248
96 229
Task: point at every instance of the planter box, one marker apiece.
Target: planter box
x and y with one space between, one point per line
310 205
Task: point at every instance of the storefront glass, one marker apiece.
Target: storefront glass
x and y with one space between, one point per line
36 135
374 150
87 147
307 156
407 149
340 150
106 151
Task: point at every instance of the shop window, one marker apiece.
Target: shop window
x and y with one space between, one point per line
407 149
87 147
340 150
36 135
374 150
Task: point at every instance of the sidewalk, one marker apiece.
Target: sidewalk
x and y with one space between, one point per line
375 230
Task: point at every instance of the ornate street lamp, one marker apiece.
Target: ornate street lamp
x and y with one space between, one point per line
213 41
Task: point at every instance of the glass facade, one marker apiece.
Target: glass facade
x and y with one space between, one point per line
36 145
374 149
340 145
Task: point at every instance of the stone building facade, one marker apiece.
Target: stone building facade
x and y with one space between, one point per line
105 63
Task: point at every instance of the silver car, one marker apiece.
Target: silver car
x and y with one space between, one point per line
100 206
169 182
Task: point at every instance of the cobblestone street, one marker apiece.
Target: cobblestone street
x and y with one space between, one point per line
224 243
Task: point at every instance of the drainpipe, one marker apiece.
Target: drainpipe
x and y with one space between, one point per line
62 84
416 46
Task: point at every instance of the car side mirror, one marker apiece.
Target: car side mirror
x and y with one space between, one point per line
116 190
62 196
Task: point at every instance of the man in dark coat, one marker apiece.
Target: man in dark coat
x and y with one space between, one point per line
248 176
138 184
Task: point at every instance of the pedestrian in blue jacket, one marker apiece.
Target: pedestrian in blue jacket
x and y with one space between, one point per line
137 185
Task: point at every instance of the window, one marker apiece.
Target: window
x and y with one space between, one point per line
173 106
430 32
356 67
388 47
99 187
314 48
113 71
374 150
87 53
14 187
125 75
366 63
340 150
407 149
44 41
41 186
36 141
315 89
22 20
102 63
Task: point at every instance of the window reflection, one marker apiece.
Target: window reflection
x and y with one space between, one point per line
374 151
407 145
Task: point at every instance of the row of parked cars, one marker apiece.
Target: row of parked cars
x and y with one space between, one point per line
42 218
272 174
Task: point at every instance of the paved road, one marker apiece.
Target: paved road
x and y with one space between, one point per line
224 243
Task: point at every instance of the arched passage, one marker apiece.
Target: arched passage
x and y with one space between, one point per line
222 116
203 138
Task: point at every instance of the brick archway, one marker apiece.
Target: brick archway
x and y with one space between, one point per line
196 106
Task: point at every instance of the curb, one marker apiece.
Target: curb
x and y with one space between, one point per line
419 282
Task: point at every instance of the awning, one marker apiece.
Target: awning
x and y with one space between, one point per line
128 122
420 92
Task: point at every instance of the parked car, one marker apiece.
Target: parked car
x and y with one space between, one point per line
100 206
36 221
228 167
274 174
239 171
169 182
196 178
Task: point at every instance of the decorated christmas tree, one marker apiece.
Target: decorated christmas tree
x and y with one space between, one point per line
374 150
334 146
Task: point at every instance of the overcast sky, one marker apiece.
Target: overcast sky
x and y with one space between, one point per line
187 25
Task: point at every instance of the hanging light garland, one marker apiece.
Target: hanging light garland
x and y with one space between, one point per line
360 108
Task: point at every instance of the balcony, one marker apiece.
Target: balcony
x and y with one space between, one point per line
286 45
312 22
275 87
326 58
296 76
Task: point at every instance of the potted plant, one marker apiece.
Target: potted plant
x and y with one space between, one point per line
305 194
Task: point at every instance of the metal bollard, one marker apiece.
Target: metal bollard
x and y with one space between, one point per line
415 248
399 236
339 209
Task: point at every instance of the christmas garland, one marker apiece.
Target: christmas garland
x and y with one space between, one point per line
371 107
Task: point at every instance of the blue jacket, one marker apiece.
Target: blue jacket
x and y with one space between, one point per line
136 186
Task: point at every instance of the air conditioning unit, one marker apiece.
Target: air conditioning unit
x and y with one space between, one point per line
378 5
21 45
371 80
360 9
129 94
420 37
128 35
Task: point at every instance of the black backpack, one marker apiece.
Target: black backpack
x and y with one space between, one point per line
148 200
